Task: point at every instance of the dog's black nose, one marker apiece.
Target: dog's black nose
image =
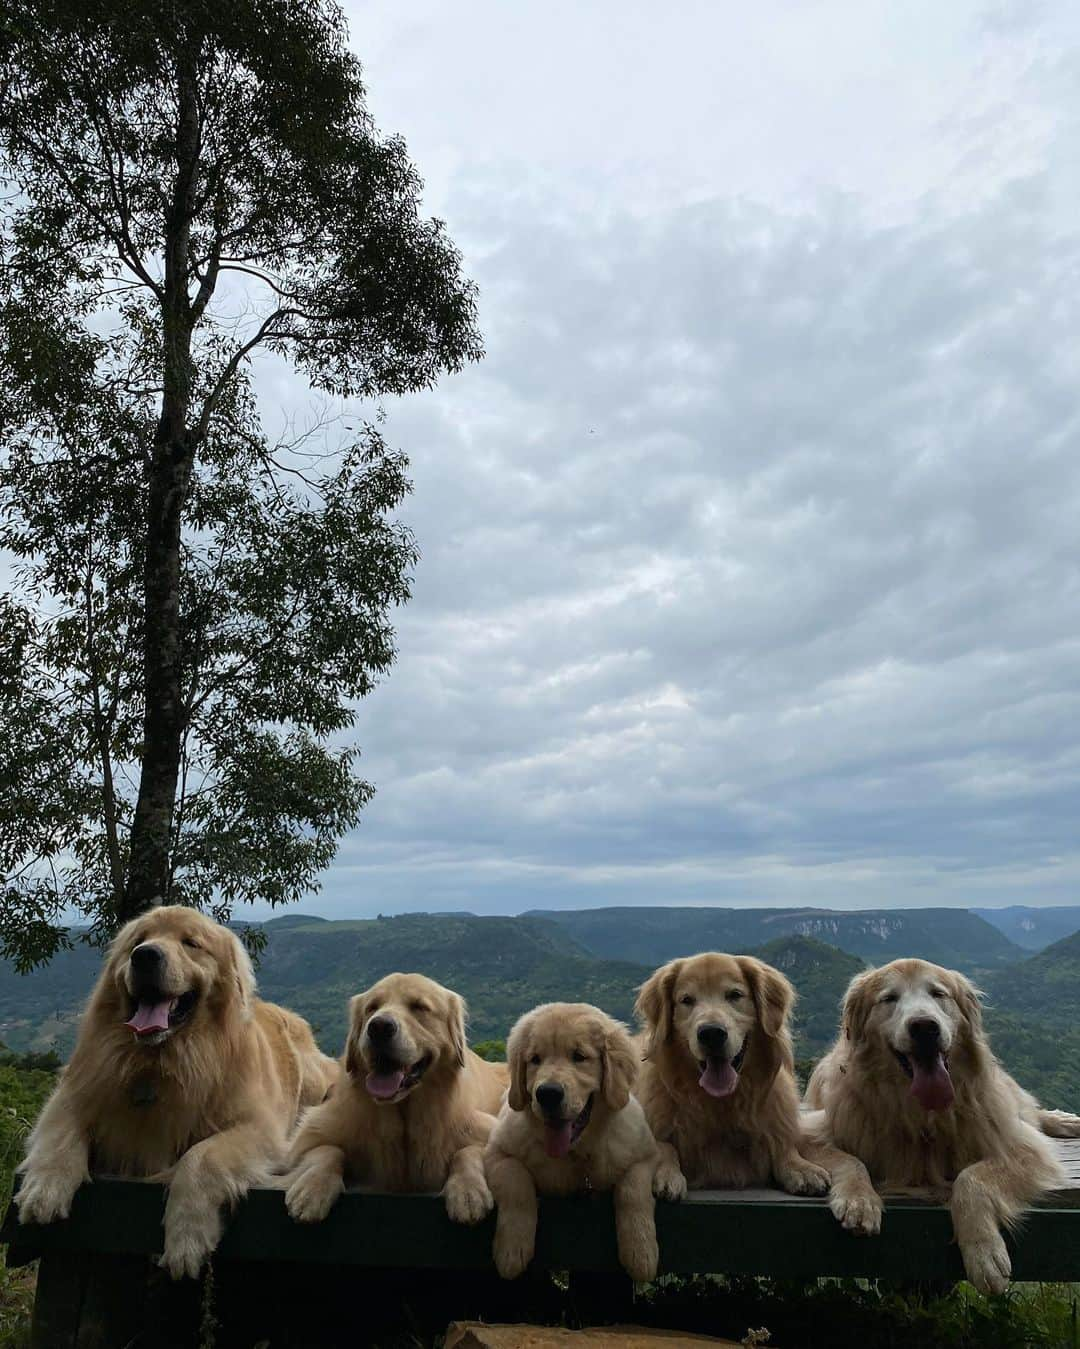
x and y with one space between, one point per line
712 1038
924 1030
146 959
549 1097
381 1028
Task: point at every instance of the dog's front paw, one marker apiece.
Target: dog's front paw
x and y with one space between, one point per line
312 1195
193 1227
468 1201
669 1182
987 1263
514 1247
803 1177
45 1196
857 1212
1060 1124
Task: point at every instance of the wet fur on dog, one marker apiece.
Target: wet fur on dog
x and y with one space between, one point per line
571 1124
413 1110
718 1081
179 1072
913 1097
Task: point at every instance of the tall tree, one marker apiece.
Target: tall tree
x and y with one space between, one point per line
197 603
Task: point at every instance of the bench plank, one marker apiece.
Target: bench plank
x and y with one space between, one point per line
711 1231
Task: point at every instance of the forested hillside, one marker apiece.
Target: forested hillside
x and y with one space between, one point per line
1046 986
953 937
502 966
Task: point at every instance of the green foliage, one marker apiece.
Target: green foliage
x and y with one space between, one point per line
1042 1057
492 1050
835 1314
200 600
23 1090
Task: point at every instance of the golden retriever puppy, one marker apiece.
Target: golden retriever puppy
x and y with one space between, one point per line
179 1072
414 1109
571 1124
915 1098
718 1081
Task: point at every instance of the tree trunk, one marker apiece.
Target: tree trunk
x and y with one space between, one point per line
151 830
169 478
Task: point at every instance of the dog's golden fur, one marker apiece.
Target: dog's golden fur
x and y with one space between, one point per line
587 1060
207 1105
985 1146
751 1135
427 1136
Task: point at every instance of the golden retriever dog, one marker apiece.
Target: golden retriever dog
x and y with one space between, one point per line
180 1073
413 1113
570 1124
718 1081
913 1095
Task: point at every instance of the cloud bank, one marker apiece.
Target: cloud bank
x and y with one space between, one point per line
749 554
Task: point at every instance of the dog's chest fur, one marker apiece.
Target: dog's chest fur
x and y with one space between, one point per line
144 1126
902 1145
717 1152
407 1147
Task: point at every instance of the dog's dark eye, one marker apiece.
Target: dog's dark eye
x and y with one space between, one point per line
889 997
688 1001
735 995
418 1007
535 1059
189 941
578 1056
938 993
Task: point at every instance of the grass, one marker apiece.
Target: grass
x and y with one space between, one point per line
23 1091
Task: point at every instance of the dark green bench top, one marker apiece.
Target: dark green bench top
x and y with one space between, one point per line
711 1231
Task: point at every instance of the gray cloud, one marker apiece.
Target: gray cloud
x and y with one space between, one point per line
749 564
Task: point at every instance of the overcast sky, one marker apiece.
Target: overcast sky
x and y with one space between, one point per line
750 551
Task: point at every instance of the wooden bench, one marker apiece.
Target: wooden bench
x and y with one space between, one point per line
86 1285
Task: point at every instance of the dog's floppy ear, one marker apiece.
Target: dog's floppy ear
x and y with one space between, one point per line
653 1005
772 993
858 1004
455 1020
518 1096
967 998
619 1066
244 974
116 958
353 1061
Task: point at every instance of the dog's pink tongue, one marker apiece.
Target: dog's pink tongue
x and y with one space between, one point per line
719 1078
931 1084
384 1085
151 1016
557 1138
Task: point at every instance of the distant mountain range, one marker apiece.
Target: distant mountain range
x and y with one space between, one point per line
1032 928
953 937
